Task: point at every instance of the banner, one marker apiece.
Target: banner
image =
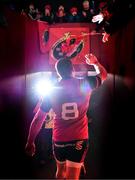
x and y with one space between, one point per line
43 29
62 40
77 47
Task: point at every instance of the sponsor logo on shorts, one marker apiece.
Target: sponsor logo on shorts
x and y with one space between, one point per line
78 145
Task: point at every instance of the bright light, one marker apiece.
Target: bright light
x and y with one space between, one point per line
44 87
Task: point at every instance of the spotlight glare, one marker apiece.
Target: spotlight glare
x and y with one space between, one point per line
44 87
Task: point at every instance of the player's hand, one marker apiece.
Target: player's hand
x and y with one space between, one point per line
30 149
91 59
98 18
105 37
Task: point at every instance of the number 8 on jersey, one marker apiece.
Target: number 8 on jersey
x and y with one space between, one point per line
69 111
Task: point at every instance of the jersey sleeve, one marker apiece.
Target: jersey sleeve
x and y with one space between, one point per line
46 105
93 81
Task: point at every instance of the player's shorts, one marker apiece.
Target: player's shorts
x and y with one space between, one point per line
74 151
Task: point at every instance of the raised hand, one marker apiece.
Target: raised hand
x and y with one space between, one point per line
98 18
105 37
91 59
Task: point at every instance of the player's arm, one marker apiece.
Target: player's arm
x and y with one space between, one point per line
35 127
91 59
102 70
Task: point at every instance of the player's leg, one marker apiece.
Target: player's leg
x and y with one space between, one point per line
75 158
59 155
73 170
61 170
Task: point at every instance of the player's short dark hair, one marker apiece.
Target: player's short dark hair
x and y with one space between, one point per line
64 67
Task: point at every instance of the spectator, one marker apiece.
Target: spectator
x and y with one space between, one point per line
32 12
47 15
99 26
102 5
23 13
60 16
87 12
73 16
3 20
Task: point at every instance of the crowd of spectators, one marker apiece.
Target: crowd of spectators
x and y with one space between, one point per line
109 15
60 15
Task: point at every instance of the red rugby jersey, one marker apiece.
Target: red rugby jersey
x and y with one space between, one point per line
70 102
